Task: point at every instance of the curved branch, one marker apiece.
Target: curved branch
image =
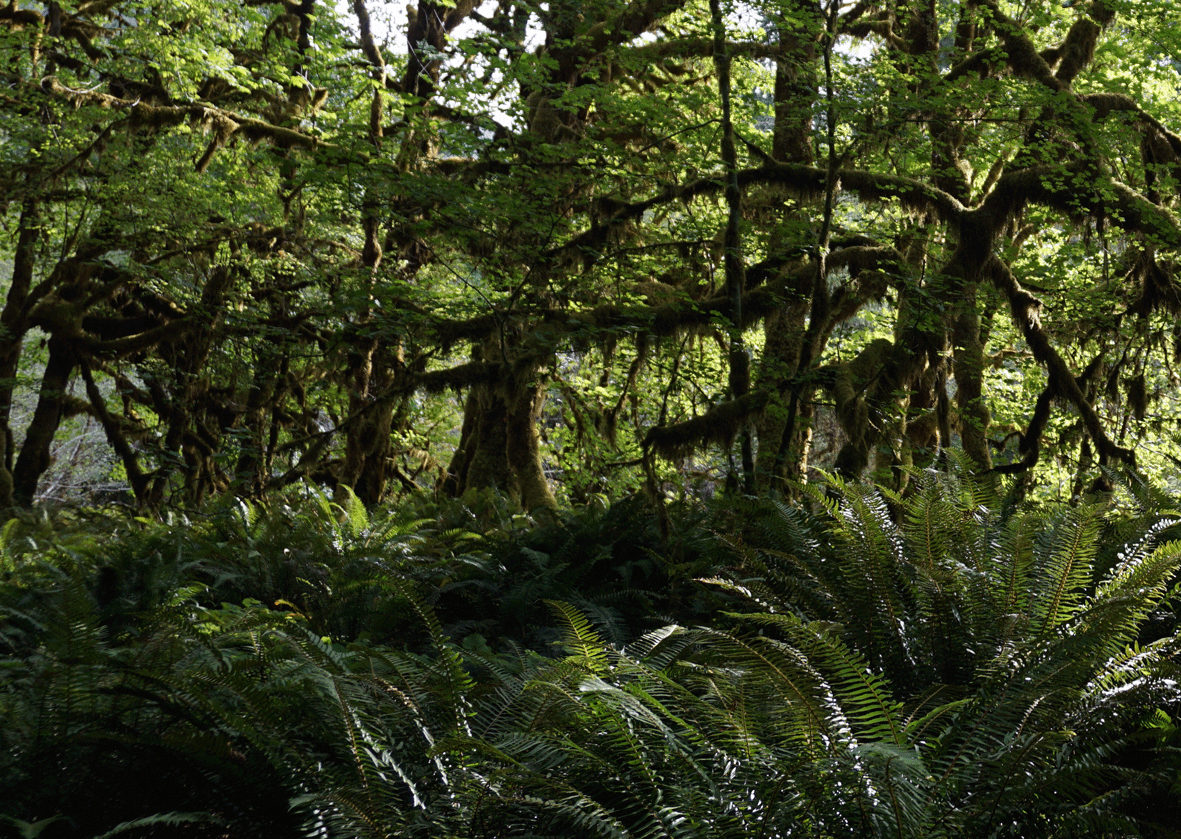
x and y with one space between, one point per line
1074 190
1026 312
807 181
686 313
226 123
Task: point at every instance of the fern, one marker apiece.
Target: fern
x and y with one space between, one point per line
159 820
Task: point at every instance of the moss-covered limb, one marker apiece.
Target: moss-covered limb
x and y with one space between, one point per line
1160 147
807 181
1077 49
613 219
1026 313
860 10
13 325
460 376
1105 104
1030 442
873 18
429 23
913 195
1071 57
717 426
1159 290
1023 57
34 457
138 342
1076 189
579 53
982 63
695 47
872 269
223 124
57 24
114 431
622 27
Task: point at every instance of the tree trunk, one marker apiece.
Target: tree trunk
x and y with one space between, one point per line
783 340
12 333
34 456
500 447
371 409
780 458
969 379
524 448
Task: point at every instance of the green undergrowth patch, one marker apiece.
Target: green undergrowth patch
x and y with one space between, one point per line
857 664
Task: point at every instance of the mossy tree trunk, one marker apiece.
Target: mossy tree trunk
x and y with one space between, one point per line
12 332
372 408
500 445
34 456
783 459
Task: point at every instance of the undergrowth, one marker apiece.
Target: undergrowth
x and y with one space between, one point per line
862 664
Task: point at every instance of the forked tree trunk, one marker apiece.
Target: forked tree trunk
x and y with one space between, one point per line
366 466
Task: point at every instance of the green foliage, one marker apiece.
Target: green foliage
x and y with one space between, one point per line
869 664
996 653
247 246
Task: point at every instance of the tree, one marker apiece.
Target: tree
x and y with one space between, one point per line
257 237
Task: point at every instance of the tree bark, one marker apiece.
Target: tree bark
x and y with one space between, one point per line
12 332
35 455
500 446
367 442
782 459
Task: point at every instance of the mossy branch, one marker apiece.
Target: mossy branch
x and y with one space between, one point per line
717 426
1026 312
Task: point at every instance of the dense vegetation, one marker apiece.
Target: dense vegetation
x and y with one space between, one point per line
566 250
659 418
863 665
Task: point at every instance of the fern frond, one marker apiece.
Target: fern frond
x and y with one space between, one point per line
864 698
579 638
161 820
1063 568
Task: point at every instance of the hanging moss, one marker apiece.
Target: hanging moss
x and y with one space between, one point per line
717 426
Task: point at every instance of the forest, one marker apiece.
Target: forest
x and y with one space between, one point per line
630 418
